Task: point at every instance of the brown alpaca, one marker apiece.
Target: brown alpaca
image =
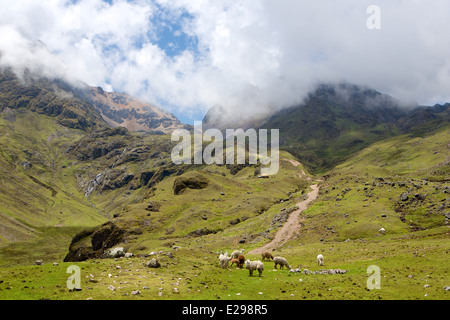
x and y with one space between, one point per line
235 261
241 259
266 255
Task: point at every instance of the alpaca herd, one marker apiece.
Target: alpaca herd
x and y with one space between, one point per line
237 258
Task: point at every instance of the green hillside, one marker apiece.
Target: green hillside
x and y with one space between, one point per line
39 193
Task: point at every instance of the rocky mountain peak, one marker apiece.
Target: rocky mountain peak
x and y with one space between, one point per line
120 109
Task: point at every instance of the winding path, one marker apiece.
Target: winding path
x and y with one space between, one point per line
292 225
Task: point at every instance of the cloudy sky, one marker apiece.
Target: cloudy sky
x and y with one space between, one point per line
245 55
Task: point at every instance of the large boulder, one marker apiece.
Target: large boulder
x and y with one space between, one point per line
107 236
94 243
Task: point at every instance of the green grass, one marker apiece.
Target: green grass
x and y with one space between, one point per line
419 157
423 261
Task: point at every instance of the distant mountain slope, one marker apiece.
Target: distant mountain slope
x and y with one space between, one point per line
126 111
82 107
54 98
336 121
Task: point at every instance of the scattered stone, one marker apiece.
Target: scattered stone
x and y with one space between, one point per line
306 271
116 252
404 196
325 271
136 292
153 206
153 263
26 164
39 262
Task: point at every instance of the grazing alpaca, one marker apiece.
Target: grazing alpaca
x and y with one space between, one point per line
235 254
224 259
266 255
281 261
254 265
235 261
320 260
241 259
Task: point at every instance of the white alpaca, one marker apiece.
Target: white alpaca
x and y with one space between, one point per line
281 261
320 260
254 265
223 255
235 254
224 259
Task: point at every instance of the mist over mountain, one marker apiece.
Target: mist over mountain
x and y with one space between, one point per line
336 121
253 57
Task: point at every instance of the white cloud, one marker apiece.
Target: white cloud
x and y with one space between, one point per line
248 55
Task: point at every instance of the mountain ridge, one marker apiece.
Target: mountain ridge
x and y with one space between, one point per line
120 109
81 106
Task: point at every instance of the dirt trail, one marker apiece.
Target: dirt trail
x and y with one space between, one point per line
292 225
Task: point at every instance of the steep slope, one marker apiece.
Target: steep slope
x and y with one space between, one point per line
39 118
41 204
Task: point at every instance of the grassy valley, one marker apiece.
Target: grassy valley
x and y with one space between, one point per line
186 233
69 194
